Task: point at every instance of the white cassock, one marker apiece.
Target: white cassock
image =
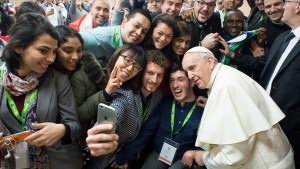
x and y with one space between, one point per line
239 126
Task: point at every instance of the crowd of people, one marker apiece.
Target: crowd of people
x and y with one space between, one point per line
194 84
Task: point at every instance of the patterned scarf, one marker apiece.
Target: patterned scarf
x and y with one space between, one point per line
17 86
38 158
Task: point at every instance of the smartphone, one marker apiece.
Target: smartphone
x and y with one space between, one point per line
18 137
106 115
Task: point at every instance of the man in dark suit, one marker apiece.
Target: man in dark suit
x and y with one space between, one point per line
281 74
283 80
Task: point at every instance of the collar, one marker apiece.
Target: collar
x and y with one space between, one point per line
213 76
186 104
297 32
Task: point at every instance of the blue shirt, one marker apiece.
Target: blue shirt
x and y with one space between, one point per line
101 41
159 126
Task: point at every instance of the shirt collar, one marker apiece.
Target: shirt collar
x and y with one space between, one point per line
297 32
213 76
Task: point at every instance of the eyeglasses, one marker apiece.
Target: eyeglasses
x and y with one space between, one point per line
128 62
286 1
202 3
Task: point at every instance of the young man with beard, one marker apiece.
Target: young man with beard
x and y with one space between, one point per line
97 17
176 118
103 41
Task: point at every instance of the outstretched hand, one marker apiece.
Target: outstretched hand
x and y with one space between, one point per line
99 142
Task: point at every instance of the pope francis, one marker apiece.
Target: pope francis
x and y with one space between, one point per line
239 126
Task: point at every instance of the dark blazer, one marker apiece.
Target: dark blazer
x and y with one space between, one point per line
55 103
285 91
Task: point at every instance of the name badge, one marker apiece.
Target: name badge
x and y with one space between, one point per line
21 155
168 151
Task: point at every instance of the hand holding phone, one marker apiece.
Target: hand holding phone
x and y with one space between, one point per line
18 137
106 115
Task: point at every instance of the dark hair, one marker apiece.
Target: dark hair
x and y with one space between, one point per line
137 54
24 33
138 11
156 56
176 67
184 29
28 7
65 32
161 18
233 10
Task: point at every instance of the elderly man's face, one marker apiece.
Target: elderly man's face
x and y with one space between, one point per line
199 69
274 9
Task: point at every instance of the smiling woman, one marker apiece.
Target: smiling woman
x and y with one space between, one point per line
37 98
162 31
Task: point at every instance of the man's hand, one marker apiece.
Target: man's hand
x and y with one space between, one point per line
226 51
210 40
50 12
201 101
188 158
100 143
256 50
187 14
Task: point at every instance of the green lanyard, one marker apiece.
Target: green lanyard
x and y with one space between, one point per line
186 119
144 113
27 104
201 35
116 37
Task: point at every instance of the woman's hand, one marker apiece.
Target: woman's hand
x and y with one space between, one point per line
99 142
48 134
113 83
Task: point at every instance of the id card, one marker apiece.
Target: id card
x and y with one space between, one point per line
21 155
168 151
